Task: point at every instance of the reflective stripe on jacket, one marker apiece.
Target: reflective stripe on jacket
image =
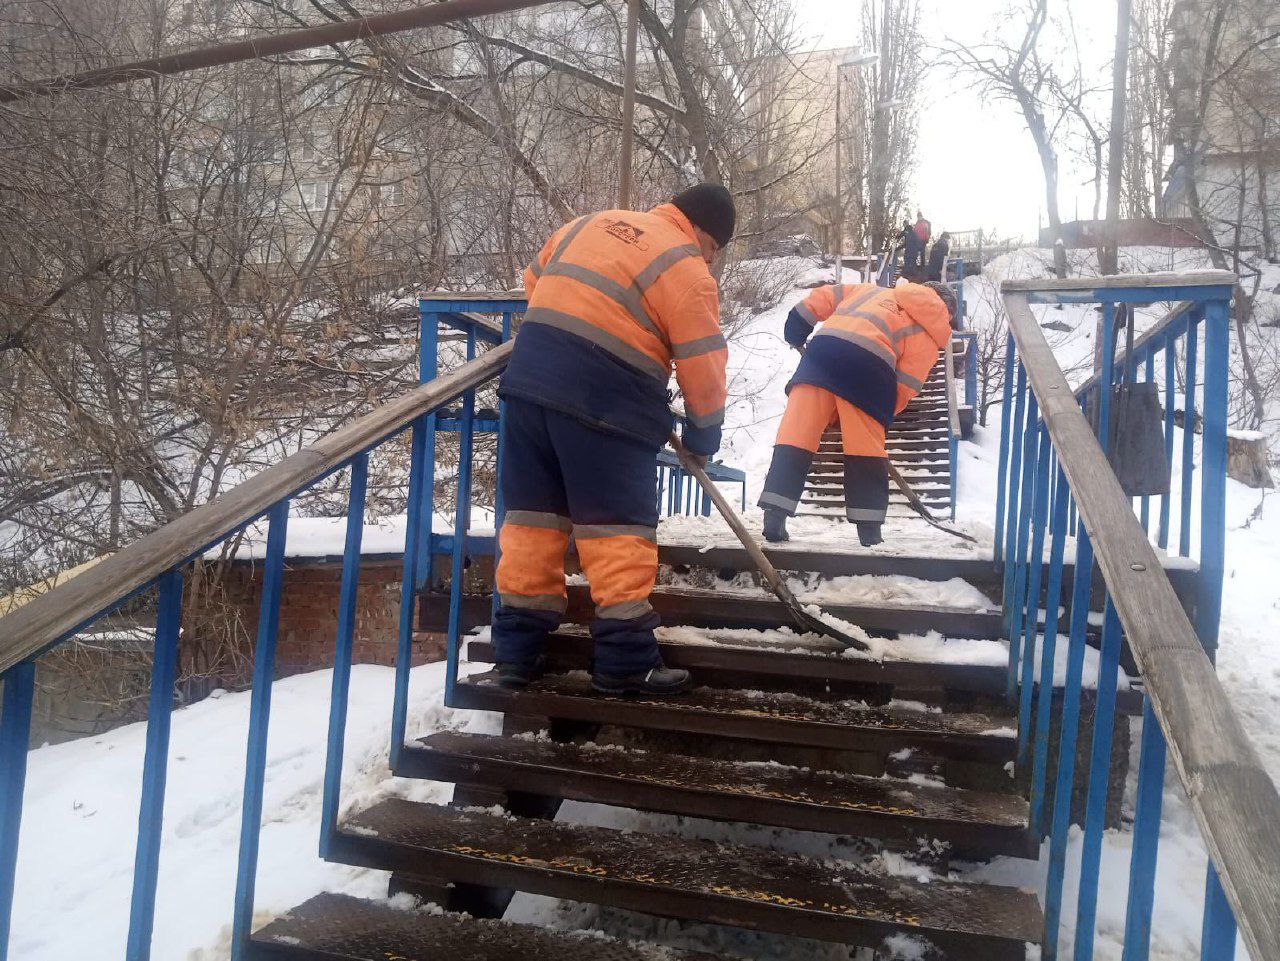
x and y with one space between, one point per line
876 344
615 299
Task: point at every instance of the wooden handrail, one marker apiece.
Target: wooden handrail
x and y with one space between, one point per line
1233 798
49 618
1192 278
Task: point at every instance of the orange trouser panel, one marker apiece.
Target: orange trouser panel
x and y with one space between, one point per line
531 569
810 410
621 568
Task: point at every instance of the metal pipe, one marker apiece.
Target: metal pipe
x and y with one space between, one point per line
628 106
269 45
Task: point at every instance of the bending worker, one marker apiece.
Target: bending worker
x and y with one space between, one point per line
871 355
614 299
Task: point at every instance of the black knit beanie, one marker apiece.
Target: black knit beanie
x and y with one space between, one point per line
710 207
947 296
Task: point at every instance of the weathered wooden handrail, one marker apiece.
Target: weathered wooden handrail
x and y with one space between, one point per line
44 620
1191 278
1233 798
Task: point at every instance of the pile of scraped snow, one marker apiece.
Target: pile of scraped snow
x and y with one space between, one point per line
75 860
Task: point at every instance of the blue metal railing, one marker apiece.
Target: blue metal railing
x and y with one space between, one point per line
157 562
1034 506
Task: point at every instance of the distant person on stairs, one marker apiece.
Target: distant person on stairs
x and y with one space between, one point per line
922 231
938 254
862 366
615 298
912 251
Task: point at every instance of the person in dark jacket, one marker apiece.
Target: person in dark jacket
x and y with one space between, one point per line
615 300
912 251
938 258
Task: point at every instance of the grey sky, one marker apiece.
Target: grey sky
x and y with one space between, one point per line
977 165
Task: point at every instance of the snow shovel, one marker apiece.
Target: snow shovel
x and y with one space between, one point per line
918 505
776 584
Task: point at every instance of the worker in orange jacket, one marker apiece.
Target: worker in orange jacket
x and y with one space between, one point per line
862 366
615 298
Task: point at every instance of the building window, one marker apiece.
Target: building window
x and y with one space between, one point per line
315 194
388 195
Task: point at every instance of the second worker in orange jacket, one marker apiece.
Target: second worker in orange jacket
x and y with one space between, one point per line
862 366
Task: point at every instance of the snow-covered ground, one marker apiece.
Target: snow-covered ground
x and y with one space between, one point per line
76 857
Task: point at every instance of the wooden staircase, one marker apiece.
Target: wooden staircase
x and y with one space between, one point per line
918 445
784 733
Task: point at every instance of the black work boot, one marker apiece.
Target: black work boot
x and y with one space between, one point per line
657 680
521 673
869 534
775 525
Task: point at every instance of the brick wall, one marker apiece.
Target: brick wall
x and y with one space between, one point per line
309 612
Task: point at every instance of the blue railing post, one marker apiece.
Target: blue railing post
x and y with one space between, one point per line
1020 557
15 738
1170 358
1035 568
1095 811
146 863
1218 932
1002 478
264 659
1013 498
1145 515
1213 479
461 526
347 603
1044 706
1107 375
420 486
428 369
1146 839
1188 432
1065 780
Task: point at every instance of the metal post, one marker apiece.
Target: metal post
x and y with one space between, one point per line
1146 838
1016 431
1006 410
1107 375
428 369
1039 516
420 490
1044 706
1170 356
15 738
1218 933
628 106
1188 432
255 767
1145 515
461 526
1013 604
347 602
1213 478
1095 808
146 861
1065 780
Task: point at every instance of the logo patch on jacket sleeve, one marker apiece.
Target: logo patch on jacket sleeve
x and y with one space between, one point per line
625 232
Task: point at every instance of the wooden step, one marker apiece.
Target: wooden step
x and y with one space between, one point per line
803 657
695 607
702 608
336 927
779 796
690 879
772 717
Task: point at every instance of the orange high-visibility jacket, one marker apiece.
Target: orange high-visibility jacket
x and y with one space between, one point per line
616 298
875 345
